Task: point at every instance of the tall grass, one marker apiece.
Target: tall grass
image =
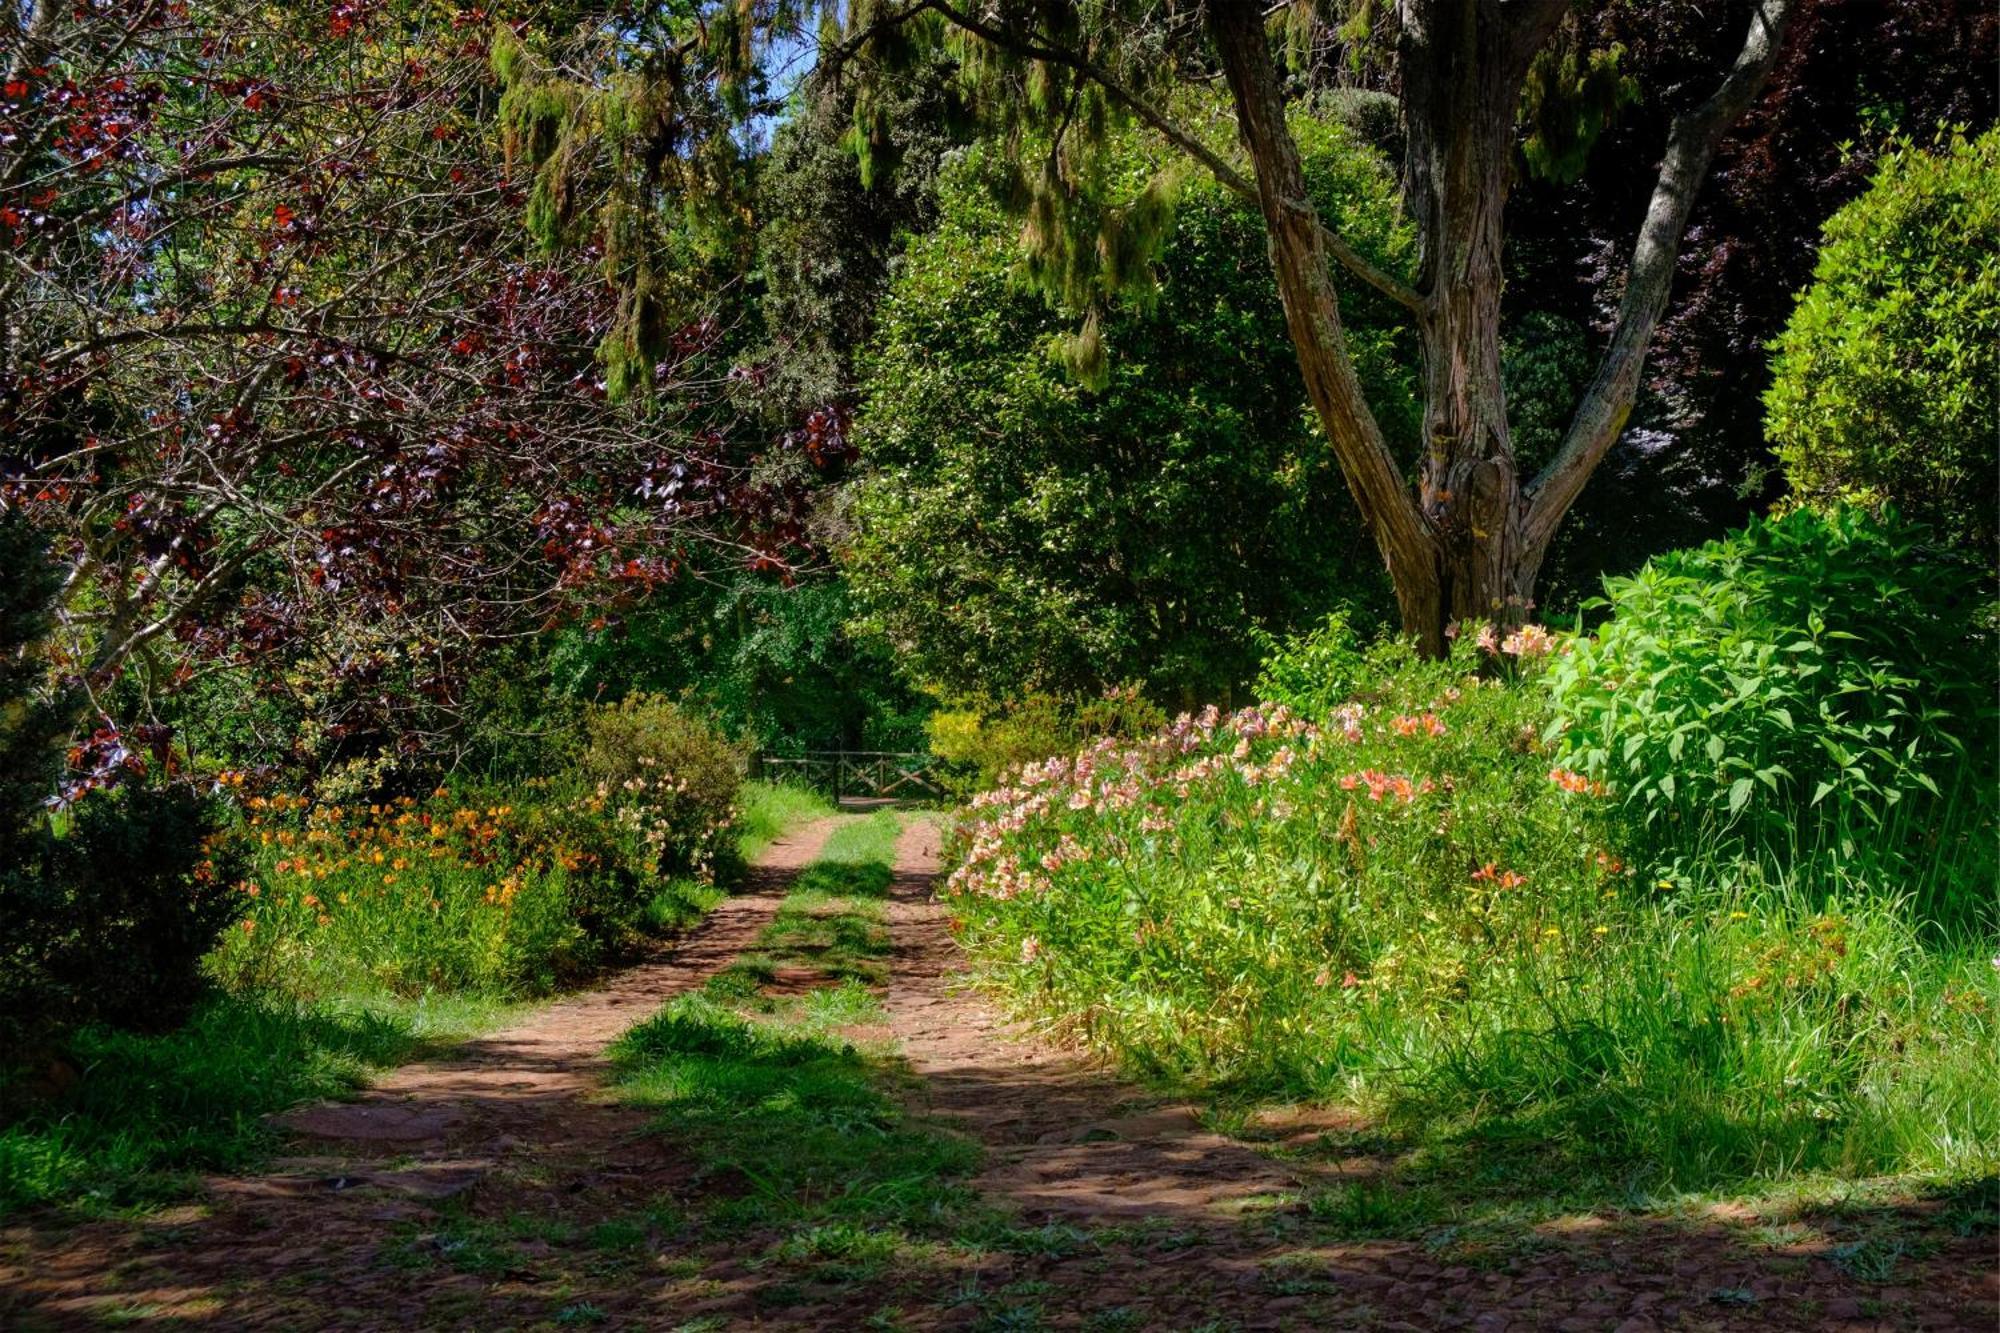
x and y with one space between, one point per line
771 809
1413 903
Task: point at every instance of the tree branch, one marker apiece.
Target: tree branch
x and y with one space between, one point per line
1691 146
1230 179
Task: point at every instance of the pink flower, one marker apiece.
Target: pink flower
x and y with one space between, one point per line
1529 641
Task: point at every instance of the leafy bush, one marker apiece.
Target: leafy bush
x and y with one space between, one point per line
1413 902
668 776
1017 531
104 914
1886 382
980 741
109 921
1313 672
1795 684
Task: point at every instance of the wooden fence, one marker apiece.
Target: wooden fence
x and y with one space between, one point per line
890 775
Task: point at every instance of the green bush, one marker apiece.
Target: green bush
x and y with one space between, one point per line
1016 531
1886 383
1814 683
108 921
1314 672
980 741
106 909
667 775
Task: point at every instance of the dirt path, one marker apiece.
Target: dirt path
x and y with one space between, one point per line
499 1189
511 1114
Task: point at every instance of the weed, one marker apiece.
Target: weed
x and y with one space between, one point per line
1870 1260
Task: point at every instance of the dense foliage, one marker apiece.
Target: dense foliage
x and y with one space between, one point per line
106 910
774 665
1411 899
1886 382
1019 530
1816 685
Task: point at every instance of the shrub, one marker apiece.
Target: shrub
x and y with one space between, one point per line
104 917
1886 382
109 921
1314 672
503 897
667 775
980 741
1794 685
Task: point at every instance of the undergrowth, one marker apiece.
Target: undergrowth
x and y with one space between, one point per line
1413 903
338 976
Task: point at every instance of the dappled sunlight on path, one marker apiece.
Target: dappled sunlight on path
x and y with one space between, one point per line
500 1186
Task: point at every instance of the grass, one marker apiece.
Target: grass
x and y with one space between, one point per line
771 809
798 1130
145 1112
830 921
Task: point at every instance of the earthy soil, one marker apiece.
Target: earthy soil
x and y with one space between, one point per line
1153 1221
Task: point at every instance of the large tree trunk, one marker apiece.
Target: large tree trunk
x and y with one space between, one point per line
1460 550
1470 544
1462 71
1312 316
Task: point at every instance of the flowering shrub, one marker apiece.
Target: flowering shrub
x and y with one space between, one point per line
506 897
1411 899
1258 858
668 778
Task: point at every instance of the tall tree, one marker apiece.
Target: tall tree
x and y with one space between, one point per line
1466 538
281 369
1469 539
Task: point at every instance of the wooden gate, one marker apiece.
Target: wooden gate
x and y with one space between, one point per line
882 775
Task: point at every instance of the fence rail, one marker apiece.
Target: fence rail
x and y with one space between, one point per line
864 774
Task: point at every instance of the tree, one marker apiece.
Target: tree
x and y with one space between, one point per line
1693 461
1016 530
1055 76
284 379
1886 385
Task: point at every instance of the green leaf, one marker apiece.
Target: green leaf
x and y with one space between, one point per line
1739 794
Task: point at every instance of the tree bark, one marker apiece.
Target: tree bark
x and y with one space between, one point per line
1470 545
1312 313
1463 66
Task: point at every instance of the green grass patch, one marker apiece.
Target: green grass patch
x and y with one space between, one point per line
800 1133
146 1112
831 921
772 809
793 1129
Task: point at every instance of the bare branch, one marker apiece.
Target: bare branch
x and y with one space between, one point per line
1691 147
